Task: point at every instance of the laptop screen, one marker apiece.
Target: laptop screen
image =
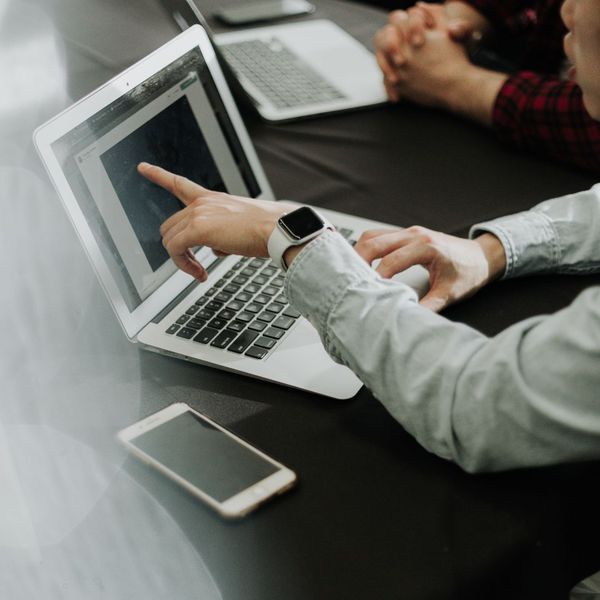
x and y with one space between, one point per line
175 119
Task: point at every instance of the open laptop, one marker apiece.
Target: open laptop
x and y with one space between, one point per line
294 70
174 109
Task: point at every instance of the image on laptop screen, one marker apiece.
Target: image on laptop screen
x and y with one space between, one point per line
175 119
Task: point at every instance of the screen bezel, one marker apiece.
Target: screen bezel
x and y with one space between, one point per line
235 506
194 37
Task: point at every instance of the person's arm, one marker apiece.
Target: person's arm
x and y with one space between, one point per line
560 235
527 397
548 116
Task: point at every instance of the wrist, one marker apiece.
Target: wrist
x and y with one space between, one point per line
494 253
473 93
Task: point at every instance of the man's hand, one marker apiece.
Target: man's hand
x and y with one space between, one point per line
227 224
408 28
457 267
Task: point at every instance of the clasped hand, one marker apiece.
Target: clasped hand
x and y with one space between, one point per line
422 55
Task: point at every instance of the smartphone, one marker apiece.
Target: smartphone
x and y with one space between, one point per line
206 459
269 10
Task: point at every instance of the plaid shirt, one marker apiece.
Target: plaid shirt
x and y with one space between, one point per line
536 109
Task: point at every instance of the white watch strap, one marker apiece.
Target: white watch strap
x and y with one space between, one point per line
279 242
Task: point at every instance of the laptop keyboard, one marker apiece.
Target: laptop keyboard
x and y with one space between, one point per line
282 76
246 311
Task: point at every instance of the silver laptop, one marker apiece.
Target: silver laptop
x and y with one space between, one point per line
294 70
175 109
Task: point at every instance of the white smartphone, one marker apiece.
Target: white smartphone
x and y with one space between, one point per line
212 463
266 10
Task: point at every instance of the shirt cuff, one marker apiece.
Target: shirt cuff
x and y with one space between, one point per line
529 239
322 274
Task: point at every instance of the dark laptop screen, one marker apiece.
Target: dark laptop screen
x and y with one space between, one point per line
175 119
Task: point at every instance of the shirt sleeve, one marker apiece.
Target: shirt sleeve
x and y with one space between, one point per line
547 115
560 235
525 397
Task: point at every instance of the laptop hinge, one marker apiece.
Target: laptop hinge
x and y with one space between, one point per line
169 307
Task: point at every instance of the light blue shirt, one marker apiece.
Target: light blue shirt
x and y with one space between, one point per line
528 396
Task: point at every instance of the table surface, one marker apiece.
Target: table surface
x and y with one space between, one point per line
374 515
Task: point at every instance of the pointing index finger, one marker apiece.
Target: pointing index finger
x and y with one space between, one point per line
179 186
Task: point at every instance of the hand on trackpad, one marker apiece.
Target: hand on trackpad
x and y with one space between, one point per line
416 277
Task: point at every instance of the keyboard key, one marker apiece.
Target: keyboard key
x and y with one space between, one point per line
265 342
235 305
229 274
231 288
283 322
245 317
224 339
192 310
257 262
196 324
278 282
243 341
173 329
247 272
223 297
205 314
252 288
243 297
211 292
217 323
201 301
275 308
240 279
291 312
226 314
269 271
236 326
282 299
186 332
182 319
257 326
276 334
260 280
270 290
262 299
205 335
214 305
256 352
220 283
254 308
266 317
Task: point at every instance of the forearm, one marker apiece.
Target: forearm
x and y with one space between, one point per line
487 404
548 116
473 94
559 235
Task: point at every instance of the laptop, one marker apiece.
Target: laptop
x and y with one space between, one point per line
174 109
294 70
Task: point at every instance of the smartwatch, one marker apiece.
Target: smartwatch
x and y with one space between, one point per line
294 229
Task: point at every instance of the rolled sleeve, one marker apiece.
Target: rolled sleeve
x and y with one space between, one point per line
558 235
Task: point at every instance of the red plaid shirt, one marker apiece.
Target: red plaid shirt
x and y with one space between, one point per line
535 109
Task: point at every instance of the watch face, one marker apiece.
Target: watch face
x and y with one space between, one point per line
301 223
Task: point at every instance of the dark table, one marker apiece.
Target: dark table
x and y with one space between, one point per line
374 515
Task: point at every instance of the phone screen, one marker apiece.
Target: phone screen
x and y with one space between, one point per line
262 11
206 457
